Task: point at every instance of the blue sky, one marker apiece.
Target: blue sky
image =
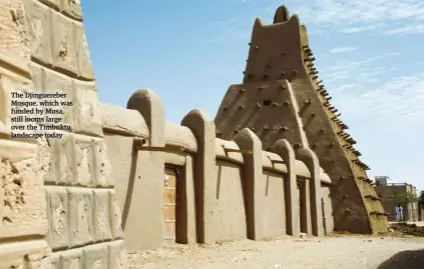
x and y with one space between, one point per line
369 54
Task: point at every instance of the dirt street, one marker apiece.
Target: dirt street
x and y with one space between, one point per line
347 252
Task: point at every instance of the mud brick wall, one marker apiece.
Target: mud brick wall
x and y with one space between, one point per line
23 218
282 98
223 194
59 207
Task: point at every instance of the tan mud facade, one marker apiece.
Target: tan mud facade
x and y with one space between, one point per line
227 189
65 202
282 98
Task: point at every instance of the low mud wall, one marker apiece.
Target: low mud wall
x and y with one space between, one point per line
227 190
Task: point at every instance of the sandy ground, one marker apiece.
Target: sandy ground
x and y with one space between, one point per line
347 252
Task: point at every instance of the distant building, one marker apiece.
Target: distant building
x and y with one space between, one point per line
381 180
386 190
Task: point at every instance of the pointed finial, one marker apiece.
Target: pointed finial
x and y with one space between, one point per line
281 15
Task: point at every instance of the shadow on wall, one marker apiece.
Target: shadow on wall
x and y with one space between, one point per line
130 189
411 259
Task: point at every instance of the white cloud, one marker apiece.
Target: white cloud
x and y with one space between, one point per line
396 103
357 29
415 64
407 30
373 93
378 16
364 10
345 87
392 54
342 50
345 67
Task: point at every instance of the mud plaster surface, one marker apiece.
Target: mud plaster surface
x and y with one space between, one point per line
21 191
291 253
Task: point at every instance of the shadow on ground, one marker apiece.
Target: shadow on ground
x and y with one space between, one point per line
410 259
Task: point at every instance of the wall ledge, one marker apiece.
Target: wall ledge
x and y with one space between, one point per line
123 121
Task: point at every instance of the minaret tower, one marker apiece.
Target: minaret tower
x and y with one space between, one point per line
282 97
